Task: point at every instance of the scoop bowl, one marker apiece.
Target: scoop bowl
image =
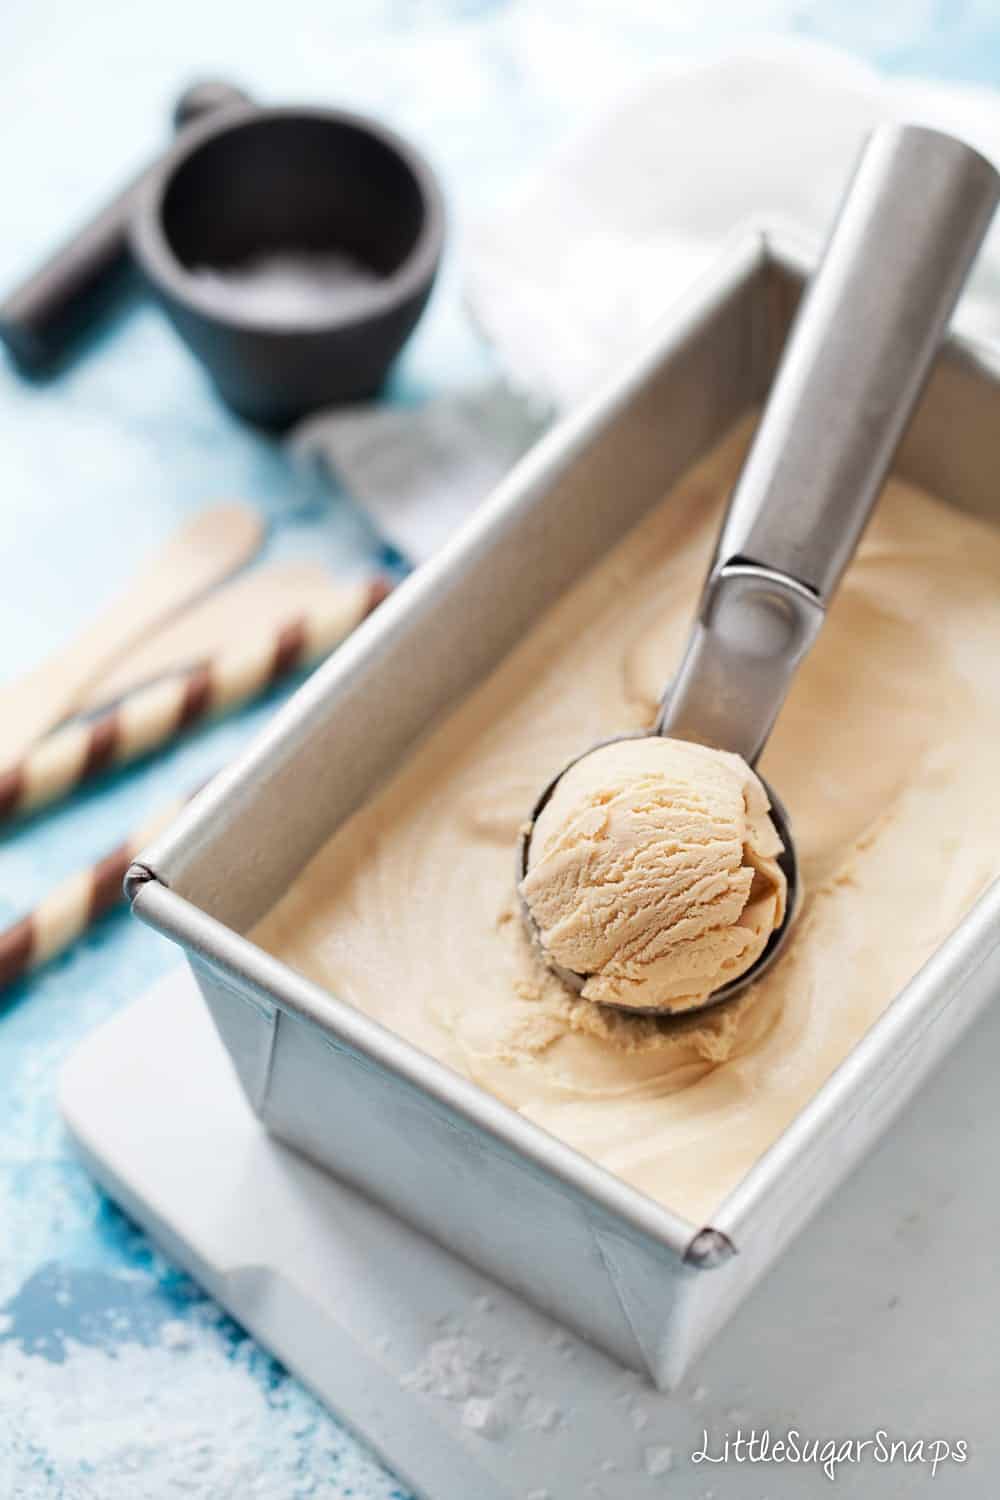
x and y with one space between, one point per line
574 982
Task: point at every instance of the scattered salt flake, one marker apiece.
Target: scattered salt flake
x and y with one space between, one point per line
639 1418
174 1334
699 1393
658 1460
121 1425
609 1466
383 1343
540 1416
738 1415
483 1415
452 1368
538 1495
483 1304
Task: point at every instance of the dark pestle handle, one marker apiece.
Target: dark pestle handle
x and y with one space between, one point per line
39 318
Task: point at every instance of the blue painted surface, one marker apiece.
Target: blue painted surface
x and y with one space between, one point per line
99 466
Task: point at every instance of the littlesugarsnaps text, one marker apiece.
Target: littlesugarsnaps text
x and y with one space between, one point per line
828 1454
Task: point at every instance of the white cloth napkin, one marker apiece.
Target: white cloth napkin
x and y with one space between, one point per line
571 273
419 470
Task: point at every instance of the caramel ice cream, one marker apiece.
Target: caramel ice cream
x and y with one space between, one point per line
885 755
653 872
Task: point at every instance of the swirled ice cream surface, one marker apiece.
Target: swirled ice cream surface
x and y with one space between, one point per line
885 756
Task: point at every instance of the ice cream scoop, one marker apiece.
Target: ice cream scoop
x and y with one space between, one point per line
655 872
849 379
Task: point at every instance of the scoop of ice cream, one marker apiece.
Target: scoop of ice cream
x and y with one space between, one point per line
653 871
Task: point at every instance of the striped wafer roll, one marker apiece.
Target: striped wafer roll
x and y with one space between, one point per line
66 913
153 715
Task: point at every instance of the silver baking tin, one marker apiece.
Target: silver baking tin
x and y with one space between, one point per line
644 1284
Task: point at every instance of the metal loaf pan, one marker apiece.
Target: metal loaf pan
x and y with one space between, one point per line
640 1282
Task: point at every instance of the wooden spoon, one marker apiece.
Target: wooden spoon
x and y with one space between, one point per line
203 552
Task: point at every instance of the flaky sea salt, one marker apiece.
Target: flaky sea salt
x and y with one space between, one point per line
493 1393
453 1369
148 1421
540 1416
658 1460
484 1415
174 1334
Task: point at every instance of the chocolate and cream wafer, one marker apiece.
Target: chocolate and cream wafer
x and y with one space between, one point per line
72 906
153 715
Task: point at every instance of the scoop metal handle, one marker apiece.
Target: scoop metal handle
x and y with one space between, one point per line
853 370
